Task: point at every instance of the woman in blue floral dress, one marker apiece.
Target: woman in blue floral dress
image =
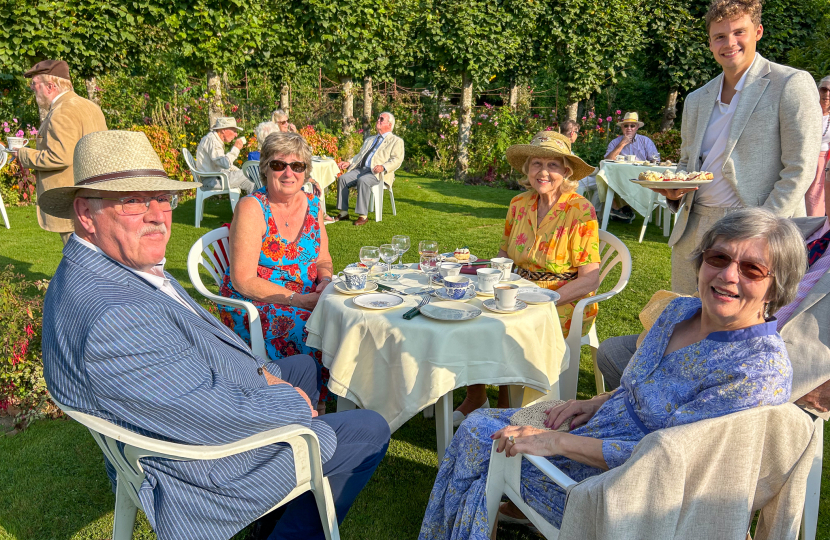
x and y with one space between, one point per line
279 252
704 357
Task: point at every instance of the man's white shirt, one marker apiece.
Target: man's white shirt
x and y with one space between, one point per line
211 155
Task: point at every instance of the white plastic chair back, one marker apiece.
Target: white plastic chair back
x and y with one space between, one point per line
251 171
4 157
203 193
130 475
612 252
212 252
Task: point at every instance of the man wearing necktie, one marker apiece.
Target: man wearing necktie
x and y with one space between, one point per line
378 159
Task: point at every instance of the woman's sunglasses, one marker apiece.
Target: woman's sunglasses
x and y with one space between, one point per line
279 165
750 270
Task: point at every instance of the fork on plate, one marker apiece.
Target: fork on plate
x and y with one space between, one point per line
414 312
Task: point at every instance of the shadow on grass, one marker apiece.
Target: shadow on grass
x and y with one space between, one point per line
23 267
458 209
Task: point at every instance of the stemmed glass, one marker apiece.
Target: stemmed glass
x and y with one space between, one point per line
402 244
388 253
370 256
428 251
655 158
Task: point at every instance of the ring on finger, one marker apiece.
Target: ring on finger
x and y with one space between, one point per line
511 439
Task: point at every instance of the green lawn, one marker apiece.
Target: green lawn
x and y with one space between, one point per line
52 480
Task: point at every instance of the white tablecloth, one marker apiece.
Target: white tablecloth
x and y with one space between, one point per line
397 367
614 177
324 171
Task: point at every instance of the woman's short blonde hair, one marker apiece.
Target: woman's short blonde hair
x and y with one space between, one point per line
284 144
568 185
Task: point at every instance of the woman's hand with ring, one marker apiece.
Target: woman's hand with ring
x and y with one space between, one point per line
582 411
524 439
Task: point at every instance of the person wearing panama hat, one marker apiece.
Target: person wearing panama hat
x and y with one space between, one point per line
123 341
551 234
629 143
211 155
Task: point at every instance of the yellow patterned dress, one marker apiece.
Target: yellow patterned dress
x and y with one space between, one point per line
567 238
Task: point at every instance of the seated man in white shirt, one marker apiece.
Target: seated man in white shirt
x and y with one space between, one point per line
211 155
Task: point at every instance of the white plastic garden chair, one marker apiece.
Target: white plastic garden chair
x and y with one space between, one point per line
251 171
212 252
658 203
3 158
202 193
612 252
376 198
130 475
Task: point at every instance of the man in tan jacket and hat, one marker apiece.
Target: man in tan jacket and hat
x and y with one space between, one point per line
70 117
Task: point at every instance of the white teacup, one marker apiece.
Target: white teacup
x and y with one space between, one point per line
457 286
487 278
354 278
504 264
449 269
631 157
16 142
244 140
506 294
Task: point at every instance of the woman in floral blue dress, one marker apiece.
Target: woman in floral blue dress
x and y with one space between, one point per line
279 252
704 357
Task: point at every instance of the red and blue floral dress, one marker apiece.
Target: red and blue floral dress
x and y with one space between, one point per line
293 265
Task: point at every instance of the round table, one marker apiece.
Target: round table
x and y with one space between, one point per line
398 367
324 171
614 177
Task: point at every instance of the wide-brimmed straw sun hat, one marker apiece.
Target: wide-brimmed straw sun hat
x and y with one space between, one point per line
631 118
119 161
548 144
225 122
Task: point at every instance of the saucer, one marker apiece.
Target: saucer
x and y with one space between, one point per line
513 277
490 304
450 257
378 300
468 295
483 293
537 295
340 287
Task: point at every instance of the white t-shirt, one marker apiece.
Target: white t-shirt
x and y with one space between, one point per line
720 192
825 128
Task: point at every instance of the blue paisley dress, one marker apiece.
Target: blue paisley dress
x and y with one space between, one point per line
724 373
293 265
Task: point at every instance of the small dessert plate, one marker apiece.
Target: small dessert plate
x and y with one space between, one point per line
537 295
378 300
450 311
490 304
340 287
451 255
468 295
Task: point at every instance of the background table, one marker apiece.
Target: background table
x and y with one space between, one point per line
324 171
615 178
397 367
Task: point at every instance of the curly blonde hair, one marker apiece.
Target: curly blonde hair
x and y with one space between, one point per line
568 185
729 10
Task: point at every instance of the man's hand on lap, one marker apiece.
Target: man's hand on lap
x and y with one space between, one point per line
818 399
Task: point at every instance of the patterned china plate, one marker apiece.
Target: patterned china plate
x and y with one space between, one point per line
450 257
490 304
340 287
378 300
468 295
450 311
537 295
671 184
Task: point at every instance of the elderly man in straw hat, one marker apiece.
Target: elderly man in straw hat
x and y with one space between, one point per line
123 341
211 155
70 117
629 143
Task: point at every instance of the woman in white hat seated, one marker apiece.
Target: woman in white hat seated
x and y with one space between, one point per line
704 358
551 234
280 257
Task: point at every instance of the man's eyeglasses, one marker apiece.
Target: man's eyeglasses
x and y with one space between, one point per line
750 270
278 165
134 206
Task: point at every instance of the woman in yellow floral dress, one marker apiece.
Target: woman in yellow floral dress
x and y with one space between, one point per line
551 234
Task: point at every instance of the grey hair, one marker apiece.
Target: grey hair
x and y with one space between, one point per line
390 117
788 255
263 130
568 185
568 126
65 85
824 82
284 144
278 115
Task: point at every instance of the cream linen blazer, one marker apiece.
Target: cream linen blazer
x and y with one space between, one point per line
69 118
390 154
773 143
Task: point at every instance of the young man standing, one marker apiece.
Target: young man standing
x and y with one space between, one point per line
755 127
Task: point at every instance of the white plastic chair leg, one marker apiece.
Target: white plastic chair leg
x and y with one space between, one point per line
125 513
344 404
809 517
392 201
325 507
234 197
643 228
6 217
200 202
443 423
377 191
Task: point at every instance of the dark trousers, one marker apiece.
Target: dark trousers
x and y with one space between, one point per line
362 440
364 179
612 357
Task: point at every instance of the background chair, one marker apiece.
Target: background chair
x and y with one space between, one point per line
658 203
130 475
377 195
211 251
203 193
3 158
251 171
612 252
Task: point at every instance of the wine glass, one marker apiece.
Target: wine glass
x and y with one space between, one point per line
402 244
388 253
428 251
370 256
655 158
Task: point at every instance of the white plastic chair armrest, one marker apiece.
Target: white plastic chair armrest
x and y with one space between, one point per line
574 338
257 341
551 471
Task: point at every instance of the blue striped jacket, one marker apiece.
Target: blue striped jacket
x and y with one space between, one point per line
116 347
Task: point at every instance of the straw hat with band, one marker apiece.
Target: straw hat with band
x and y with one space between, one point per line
549 144
631 118
225 122
117 161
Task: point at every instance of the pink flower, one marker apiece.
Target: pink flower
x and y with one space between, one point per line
599 120
20 133
495 123
454 122
584 118
14 120
609 119
6 130
618 112
443 136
